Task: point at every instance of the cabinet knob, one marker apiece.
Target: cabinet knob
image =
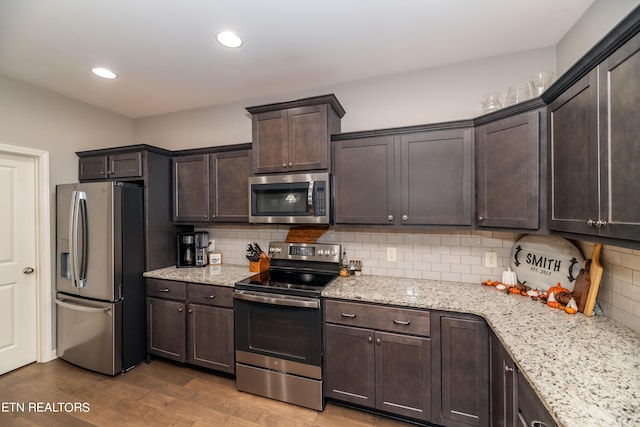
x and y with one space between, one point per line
370 340
405 217
284 165
290 164
378 341
590 222
537 423
181 310
508 369
600 223
390 217
190 311
480 218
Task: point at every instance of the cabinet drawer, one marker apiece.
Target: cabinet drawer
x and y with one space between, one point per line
210 295
166 289
415 322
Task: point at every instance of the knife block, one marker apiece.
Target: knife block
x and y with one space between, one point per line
260 266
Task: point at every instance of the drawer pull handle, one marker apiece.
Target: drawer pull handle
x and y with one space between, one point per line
181 310
401 322
536 423
347 315
164 290
210 296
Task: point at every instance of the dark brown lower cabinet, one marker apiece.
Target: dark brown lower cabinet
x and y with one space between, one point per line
504 386
369 363
166 324
463 384
210 342
513 401
386 371
192 323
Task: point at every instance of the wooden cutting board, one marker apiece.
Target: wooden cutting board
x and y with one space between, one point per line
582 286
596 276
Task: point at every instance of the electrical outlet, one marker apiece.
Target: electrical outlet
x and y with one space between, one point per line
491 259
391 254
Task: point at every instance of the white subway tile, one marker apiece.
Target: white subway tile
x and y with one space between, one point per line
431 275
413 274
441 267
450 241
470 278
471 260
461 268
621 302
450 259
454 277
431 240
431 257
462 250
630 261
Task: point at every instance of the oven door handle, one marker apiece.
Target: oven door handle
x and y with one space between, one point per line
289 301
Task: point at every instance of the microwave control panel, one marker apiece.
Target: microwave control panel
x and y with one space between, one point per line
320 199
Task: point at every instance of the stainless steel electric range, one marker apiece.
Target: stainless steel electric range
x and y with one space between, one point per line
278 323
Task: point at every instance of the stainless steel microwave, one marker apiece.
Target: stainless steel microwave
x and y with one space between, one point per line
303 198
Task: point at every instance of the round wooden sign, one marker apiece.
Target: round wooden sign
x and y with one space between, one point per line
542 261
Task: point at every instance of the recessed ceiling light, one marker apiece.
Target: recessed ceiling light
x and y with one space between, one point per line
104 73
229 39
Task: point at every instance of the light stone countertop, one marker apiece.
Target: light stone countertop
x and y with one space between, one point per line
586 370
223 275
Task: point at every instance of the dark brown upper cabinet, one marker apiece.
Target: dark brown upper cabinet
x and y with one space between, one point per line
294 136
507 172
110 166
414 178
149 167
595 150
211 187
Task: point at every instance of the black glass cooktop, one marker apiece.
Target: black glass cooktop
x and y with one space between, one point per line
294 282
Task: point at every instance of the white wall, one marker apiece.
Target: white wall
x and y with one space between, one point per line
36 118
451 92
596 22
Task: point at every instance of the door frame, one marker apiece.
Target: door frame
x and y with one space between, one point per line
44 280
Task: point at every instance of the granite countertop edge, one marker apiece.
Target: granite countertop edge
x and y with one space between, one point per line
585 370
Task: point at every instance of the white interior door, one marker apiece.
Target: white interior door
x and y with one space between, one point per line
18 316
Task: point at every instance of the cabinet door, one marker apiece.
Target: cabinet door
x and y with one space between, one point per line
210 342
504 386
364 181
191 188
464 390
166 329
94 167
403 375
230 186
349 365
308 134
125 165
573 123
531 412
619 142
436 183
270 142
507 189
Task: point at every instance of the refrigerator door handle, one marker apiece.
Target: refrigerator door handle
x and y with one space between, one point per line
78 259
63 303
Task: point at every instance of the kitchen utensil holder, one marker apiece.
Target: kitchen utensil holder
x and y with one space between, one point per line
260 266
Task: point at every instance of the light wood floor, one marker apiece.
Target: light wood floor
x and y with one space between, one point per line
155 394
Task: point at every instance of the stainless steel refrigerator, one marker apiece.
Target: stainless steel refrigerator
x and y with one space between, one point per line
101 322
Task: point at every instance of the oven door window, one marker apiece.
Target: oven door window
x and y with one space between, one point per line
291 333
280 199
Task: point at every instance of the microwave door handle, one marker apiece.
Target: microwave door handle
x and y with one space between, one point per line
310 198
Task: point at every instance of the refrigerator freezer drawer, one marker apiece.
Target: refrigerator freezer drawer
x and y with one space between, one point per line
89 333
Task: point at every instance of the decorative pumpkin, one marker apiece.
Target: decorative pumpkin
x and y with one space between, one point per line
509 277
551 300
557 289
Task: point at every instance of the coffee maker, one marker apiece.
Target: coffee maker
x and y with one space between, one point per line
192 249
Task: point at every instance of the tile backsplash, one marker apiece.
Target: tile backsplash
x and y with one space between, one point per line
447 255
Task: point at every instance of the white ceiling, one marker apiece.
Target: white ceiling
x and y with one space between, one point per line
167 59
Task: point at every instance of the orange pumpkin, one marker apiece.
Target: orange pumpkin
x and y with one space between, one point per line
557 289
553 304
